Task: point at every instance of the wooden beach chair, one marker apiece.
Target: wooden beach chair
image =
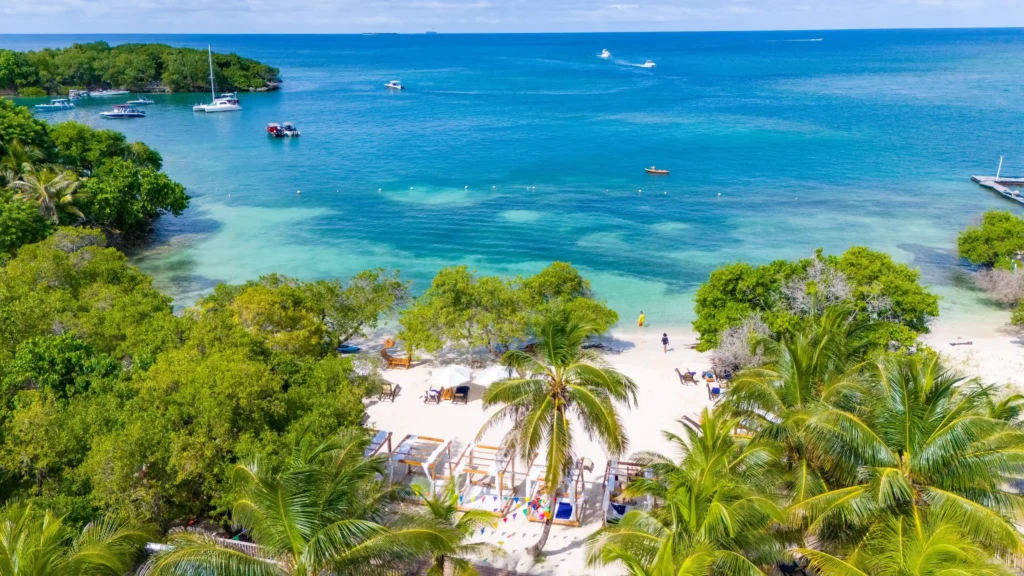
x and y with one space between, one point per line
714 392
433 396
389 391
686 378
461 395
394 361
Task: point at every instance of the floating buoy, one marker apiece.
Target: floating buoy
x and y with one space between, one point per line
298 191
719 193
410 187
494 187
379 189
467 187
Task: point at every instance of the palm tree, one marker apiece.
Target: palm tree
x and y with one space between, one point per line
814 371
901 546
54 192
444 510
716 508
562 384
325 513
35 542
17 159
929 447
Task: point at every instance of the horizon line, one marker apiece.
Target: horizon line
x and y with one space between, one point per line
437 32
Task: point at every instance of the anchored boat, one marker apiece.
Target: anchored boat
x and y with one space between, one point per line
123 111
653 170
55 105
227 102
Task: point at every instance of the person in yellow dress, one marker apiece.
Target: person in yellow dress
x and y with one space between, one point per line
640 321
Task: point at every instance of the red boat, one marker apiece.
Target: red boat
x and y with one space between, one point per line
275 130
653 170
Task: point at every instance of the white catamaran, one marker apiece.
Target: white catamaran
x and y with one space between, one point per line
224 103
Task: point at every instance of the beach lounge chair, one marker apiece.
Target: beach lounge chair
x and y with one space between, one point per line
433 395
461 395
393 361
714 392
389 391
686 378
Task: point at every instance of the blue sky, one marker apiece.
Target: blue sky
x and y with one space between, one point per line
342 16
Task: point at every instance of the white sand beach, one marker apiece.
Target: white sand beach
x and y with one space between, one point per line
995 355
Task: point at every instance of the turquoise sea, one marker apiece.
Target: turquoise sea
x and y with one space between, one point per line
506 152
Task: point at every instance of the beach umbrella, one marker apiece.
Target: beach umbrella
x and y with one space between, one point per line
451 375
491 374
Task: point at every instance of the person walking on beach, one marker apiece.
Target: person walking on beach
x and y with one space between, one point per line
640 321
664 342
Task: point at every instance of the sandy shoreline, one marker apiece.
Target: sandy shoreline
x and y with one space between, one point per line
994 355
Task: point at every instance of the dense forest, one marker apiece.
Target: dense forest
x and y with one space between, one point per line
72 174
135 67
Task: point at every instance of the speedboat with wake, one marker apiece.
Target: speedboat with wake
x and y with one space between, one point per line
648 64
123 111
605 54
141 101
55 105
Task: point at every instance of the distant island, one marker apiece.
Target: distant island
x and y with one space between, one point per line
135 67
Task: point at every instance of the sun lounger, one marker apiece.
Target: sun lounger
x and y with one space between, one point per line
686 378
433 395
461 395
393 361
714 392
389 391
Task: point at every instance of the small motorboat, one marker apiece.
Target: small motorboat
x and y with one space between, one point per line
290 130
348 349
394 85
78 94
653 170
274 129
605 54
108 93
142 101
123 111
55 105
648 64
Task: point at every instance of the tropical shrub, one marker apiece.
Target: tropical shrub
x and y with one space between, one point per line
784 294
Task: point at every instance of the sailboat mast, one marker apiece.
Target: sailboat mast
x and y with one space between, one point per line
209 53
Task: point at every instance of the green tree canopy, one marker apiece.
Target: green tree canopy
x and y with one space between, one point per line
463 310
138 67
786 293
995 242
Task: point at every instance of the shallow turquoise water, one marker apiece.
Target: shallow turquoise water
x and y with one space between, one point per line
506 152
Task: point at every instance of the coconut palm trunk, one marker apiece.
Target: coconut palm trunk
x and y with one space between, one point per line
563 378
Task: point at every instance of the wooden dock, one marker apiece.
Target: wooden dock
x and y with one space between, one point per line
1002 186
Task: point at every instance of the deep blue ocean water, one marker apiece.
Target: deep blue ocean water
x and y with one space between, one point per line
506 152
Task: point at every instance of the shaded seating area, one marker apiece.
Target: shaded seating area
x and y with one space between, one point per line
486 480
569 500
421 460
394 361
617 476
379 444
461 395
